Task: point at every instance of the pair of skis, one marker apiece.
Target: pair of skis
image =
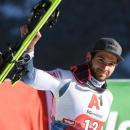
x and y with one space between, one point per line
43 13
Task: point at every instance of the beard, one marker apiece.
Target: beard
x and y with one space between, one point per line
98 73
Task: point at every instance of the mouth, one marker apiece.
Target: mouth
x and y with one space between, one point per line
102 73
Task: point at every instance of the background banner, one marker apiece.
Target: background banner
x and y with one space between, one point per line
119 118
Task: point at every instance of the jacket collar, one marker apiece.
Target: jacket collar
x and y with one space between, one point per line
82 74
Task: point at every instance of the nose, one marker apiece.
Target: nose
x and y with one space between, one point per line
104 66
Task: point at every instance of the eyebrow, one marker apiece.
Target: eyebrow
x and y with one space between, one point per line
108 60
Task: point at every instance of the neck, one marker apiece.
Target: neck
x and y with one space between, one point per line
96 82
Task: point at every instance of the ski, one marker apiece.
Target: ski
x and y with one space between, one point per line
48 10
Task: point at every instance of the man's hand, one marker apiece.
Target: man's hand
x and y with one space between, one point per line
24 31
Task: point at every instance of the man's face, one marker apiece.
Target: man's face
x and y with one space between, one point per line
103 64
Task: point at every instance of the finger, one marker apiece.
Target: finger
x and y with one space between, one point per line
38 35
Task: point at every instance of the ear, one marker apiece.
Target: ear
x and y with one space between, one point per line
88 57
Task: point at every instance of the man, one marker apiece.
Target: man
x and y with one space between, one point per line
82 100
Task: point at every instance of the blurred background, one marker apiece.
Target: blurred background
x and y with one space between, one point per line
80 24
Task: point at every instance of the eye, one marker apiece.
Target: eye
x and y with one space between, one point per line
111 64
100 60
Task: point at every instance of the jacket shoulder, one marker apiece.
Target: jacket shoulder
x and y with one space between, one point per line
61 73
